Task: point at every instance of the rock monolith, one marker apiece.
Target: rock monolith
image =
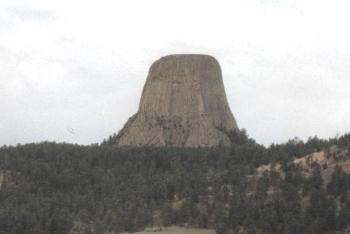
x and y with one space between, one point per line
183 104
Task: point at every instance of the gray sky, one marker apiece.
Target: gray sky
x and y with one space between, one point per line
73 71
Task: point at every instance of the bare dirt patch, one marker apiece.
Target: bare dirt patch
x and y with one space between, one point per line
176 230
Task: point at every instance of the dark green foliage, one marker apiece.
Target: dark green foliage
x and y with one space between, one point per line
339 183
321 214
344 214
314 182
51 188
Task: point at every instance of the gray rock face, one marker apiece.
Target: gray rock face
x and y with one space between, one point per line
183 104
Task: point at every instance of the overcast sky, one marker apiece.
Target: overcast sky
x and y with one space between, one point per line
73 71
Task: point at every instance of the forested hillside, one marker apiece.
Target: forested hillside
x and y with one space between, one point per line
64 188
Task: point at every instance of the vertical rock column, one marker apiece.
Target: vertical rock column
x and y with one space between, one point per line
183 104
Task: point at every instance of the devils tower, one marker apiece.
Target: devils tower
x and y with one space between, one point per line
183 104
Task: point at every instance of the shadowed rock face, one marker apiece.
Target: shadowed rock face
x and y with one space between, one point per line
183 104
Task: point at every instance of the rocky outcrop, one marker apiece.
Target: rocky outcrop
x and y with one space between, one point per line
183 104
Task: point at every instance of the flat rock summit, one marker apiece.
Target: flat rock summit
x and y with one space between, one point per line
183 104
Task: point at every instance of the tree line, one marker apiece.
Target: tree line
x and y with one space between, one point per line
63 188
